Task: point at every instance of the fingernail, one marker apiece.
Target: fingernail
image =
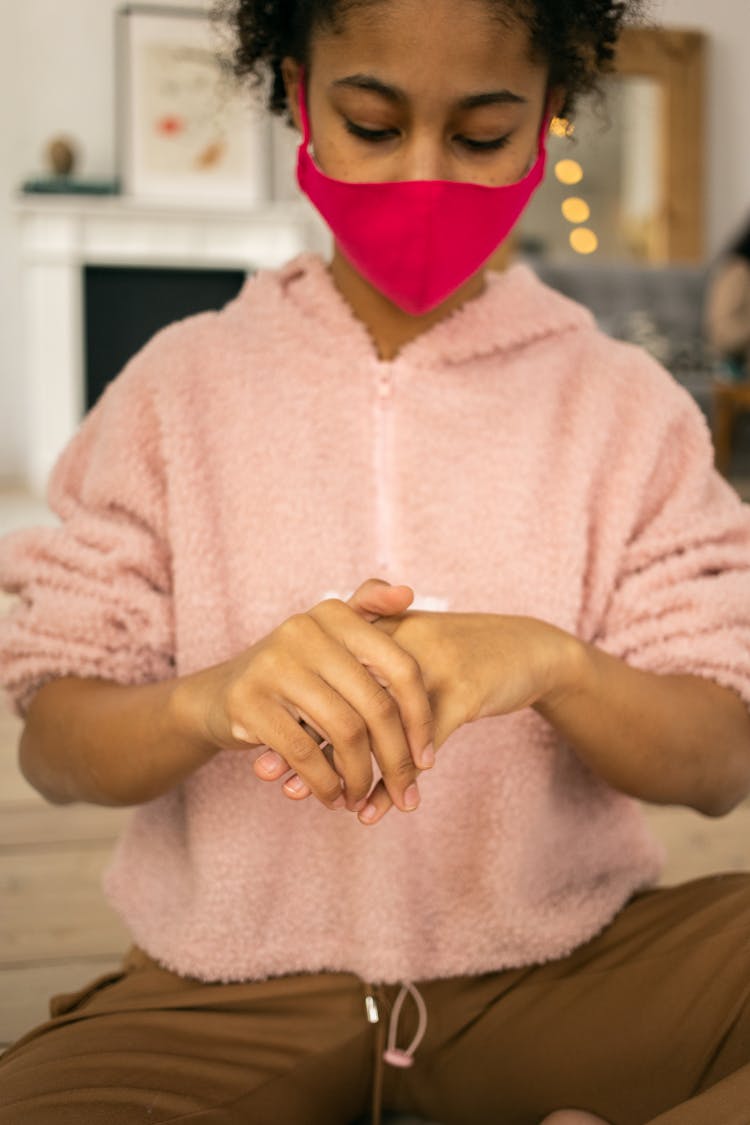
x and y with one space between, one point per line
428 757
296 783
240 733
340 802
411 796
270 761
368 814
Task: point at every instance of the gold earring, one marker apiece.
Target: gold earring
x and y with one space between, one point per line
561 127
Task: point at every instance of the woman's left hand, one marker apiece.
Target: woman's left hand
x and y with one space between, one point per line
478 664
475 665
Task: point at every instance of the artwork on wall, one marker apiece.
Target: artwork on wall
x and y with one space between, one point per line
186 132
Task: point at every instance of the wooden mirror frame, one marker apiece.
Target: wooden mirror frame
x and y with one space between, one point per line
676 60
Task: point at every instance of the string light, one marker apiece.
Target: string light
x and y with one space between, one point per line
584 241
569 172
576 210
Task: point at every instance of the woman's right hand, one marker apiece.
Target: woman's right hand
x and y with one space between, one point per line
351 682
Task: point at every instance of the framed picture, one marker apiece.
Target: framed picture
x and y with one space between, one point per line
186 132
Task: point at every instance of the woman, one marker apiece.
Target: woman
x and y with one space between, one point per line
452 912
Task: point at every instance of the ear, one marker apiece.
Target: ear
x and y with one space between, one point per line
290 71
556 96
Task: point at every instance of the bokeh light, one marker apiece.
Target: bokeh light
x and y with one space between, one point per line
584 241
561 127
569 171
576 210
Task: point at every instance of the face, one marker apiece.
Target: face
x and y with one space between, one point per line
423 90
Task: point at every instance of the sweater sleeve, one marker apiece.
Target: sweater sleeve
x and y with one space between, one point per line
94 593
680 599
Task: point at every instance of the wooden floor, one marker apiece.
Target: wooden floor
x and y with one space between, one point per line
56 931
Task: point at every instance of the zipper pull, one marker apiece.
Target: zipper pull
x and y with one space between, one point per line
371 1007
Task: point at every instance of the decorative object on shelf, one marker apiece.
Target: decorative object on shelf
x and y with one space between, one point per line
186 132
62 157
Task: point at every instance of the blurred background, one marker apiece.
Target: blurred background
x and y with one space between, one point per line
136 188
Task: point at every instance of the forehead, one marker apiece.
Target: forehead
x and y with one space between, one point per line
445 45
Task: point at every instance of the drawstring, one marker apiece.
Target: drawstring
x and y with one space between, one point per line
373 1016
392 1054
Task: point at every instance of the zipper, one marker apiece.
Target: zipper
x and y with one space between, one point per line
383 464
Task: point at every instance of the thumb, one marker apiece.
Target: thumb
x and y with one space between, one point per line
377 598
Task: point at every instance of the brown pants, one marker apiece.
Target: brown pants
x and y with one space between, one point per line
647 1023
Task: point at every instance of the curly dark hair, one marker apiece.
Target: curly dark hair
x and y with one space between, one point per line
576 38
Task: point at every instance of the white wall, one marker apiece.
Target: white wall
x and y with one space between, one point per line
56 75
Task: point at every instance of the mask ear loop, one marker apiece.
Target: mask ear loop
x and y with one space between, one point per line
303 108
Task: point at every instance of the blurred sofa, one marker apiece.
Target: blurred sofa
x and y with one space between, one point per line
660 308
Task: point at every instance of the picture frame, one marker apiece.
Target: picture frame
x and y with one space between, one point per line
186 132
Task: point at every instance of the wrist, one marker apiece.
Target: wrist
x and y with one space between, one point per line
186 713
566 671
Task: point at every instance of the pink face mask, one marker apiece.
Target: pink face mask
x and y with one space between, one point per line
417 241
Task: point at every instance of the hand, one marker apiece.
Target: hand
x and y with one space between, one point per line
345 680
372 598
475 665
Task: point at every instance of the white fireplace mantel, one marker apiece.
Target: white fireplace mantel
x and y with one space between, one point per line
59 236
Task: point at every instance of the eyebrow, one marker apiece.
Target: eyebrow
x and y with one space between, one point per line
394 94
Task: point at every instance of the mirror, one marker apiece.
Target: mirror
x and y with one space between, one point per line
625 184
602 189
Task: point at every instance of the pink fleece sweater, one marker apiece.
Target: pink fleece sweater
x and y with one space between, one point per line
248 463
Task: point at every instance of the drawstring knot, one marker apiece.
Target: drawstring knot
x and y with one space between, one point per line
393 1054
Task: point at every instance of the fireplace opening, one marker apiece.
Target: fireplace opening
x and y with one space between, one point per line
125 306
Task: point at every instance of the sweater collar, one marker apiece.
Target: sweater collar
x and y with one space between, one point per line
514 309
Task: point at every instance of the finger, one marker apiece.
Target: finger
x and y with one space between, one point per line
393 698
270 766
295 788
376 597
375 726
333 722
346 741
377 806
282 733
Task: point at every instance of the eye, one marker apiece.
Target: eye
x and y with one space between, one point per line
484 146
374 135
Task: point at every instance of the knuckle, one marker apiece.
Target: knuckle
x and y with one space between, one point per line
351 728
330 791
267 662
407 669
236 701
359 788
293 626
327 608
424 719
301 751
384 705
403 769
